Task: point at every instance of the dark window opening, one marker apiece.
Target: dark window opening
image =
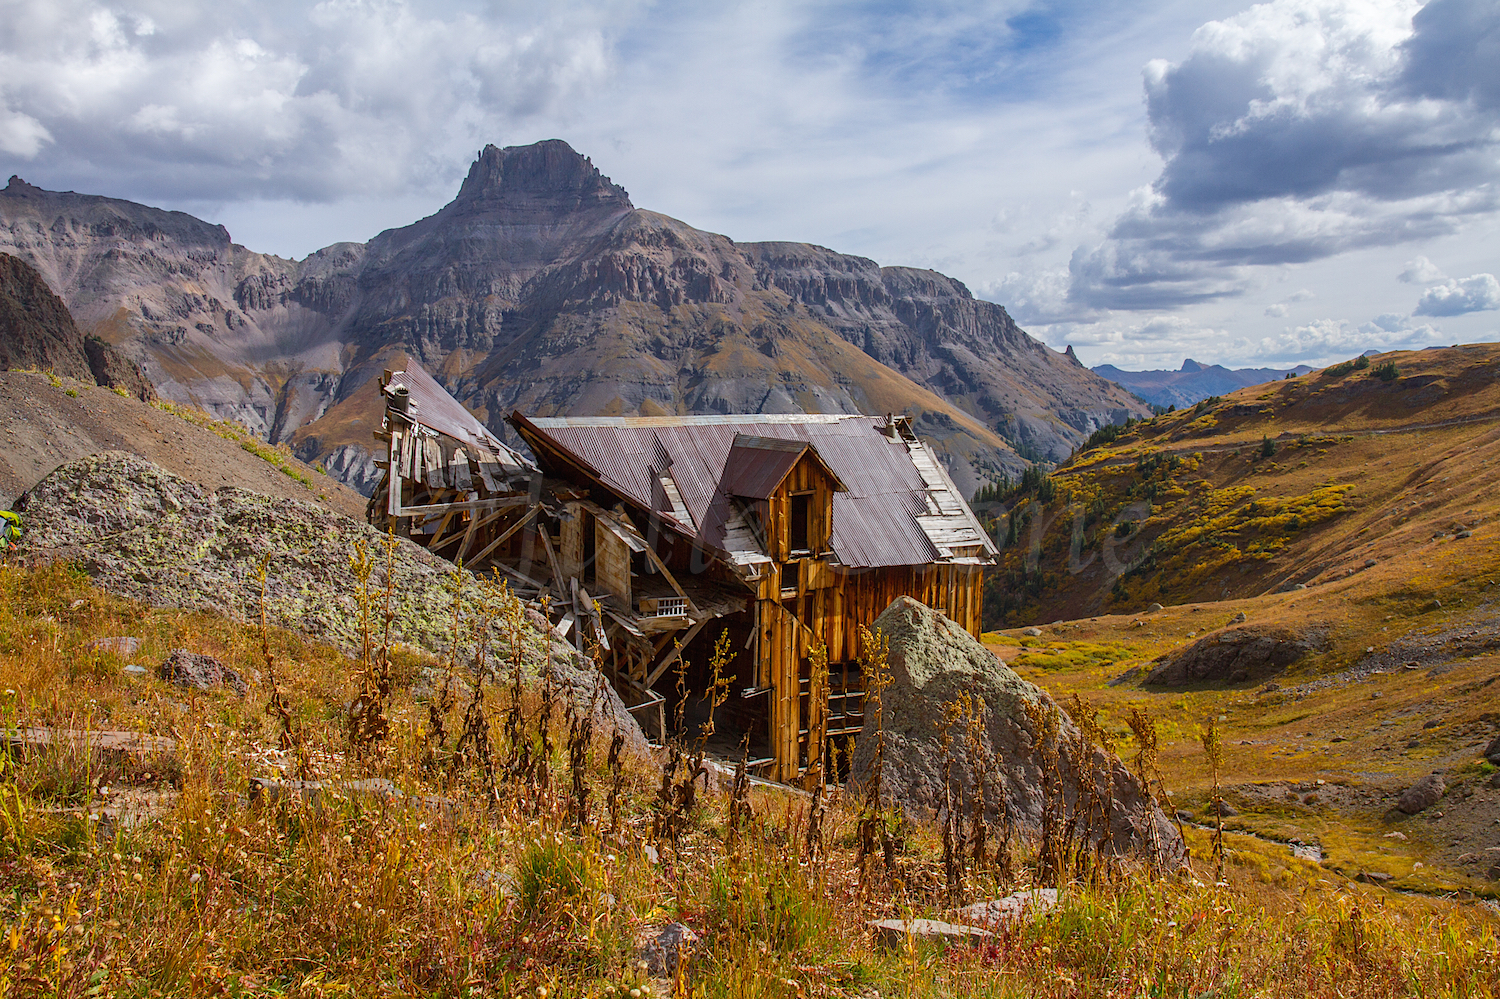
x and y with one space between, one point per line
797 532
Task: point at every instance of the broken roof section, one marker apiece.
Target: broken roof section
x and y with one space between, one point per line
757 465
898 507
428 404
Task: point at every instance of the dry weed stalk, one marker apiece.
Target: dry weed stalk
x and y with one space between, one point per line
614 765
977 837
1213 748
740 810
367 723
440 706
871 831
473 748
817 735
676 799
1052 860
290 737
1092 750
580 740
953 864
1147 770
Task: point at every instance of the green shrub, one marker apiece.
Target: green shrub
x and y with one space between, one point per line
1386 371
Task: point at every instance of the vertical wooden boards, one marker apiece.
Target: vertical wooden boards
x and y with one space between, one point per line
570 547
433 471
611 562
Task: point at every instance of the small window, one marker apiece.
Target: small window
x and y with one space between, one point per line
797 526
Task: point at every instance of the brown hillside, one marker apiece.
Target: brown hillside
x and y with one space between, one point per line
37 332
1365 472
46 422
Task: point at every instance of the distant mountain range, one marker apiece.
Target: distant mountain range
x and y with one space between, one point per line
540 286
1193 381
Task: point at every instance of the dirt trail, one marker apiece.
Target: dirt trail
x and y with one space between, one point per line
42 427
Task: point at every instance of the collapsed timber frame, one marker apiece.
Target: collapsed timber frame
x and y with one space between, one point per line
653 537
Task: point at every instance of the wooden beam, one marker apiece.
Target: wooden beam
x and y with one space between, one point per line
512 529
675 653
475 523
432 545
557 576
393 476
495 503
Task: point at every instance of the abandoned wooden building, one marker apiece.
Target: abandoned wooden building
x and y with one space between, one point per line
656 536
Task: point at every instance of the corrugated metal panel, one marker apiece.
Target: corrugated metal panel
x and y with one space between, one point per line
757 465
439 411
875 523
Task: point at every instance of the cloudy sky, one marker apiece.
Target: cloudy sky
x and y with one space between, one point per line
1291 181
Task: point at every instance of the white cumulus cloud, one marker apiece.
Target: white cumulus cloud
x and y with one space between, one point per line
1477 293
1301 129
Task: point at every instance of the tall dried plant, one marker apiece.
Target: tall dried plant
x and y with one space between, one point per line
815 779
953 864
871 830
1213 748
290 736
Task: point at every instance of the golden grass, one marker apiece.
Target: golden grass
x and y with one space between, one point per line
365 897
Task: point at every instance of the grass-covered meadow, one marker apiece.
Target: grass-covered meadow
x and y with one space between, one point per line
510 855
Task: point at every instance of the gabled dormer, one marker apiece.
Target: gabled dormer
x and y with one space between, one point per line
788 488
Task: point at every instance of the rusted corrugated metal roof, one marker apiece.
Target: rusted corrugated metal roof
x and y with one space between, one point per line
437 410
757 465
874 521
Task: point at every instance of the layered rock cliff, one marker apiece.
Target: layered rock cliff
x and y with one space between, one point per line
38 332
540 286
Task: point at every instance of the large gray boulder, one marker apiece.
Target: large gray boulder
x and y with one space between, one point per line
932 662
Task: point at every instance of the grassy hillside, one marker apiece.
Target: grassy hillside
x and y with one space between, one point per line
159 876
1302 481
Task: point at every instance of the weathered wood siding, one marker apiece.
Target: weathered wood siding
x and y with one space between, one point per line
570 547
611 562
807 476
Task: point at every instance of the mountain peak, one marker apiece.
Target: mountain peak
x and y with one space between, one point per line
1189 364
547 171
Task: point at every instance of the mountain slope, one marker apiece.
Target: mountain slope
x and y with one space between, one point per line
541 286
37 331
1297 482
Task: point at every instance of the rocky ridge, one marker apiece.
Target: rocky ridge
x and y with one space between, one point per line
540 286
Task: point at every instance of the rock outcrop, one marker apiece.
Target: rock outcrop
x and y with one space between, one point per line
1423 794
1235 655
932 662
542 287
37 331
144 533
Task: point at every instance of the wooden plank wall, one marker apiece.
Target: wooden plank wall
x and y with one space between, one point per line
807 476
570 548
611 562
831 605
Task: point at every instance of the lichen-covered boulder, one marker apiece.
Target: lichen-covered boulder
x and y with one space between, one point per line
932 662
142 532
